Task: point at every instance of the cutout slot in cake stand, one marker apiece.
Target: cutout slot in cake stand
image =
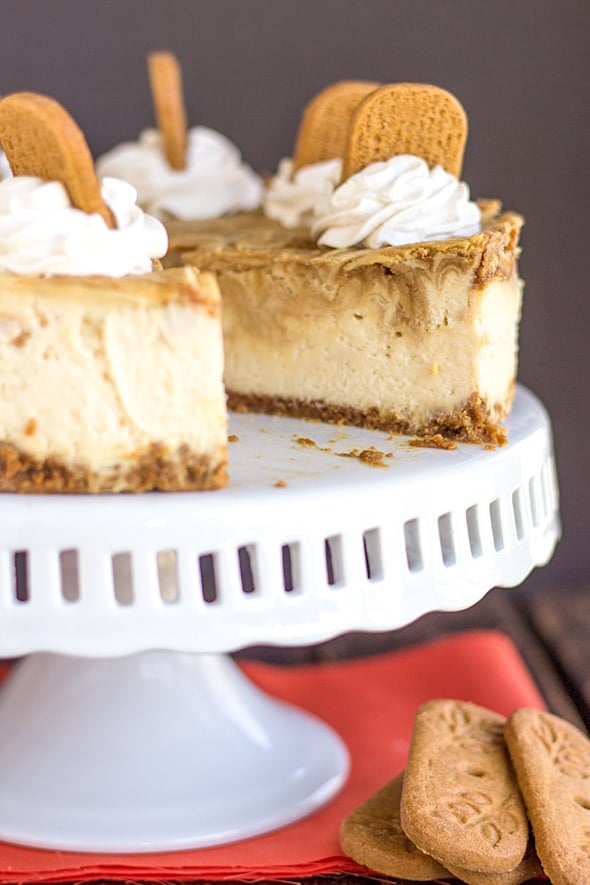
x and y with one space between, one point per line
127 726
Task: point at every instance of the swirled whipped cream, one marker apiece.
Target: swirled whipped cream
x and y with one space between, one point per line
214 182
42 234
396 202
291 197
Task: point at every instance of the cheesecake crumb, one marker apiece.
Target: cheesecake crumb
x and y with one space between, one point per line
31 427
435 441
280 484
233 437
310 444
354 453
373 457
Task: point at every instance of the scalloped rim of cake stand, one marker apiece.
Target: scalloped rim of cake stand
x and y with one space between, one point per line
368 547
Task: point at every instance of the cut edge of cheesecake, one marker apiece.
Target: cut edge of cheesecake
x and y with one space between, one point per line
96 327
268 274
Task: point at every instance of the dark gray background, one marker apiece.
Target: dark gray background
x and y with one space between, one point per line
520 68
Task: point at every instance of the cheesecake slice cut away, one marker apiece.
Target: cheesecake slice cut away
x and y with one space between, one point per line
419 339
111 385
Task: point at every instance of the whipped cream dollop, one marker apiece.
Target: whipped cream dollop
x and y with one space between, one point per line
396 202
291 197
42 234
214 182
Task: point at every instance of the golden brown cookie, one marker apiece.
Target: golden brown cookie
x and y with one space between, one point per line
323 130
41 139
372 835
460 800
167 95
407 118
551 758
528 868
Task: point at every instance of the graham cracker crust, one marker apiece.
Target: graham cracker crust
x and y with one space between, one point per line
155 469
471 423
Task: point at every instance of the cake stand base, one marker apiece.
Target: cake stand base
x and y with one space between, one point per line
154 751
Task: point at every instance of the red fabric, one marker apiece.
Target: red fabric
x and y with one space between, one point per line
371 703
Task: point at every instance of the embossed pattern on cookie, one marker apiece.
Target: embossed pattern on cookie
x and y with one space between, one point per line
372 835
407 118
460 800
551 758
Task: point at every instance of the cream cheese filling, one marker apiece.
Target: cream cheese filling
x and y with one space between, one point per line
369 350
94 385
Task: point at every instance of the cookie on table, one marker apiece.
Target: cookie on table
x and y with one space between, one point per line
551 758
372 835
529 868
460 801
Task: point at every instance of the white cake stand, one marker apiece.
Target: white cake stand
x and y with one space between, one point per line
127 726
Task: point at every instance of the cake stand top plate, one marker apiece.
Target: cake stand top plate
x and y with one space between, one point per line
322 529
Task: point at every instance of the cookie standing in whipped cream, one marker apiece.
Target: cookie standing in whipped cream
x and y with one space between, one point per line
315 168
179 174
215 180
390 200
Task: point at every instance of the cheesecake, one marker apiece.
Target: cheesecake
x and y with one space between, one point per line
111 385
371 290
111 368
419 339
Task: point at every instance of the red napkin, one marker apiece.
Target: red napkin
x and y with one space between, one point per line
371 702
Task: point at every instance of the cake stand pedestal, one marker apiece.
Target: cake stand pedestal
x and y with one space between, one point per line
128 727
154 751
